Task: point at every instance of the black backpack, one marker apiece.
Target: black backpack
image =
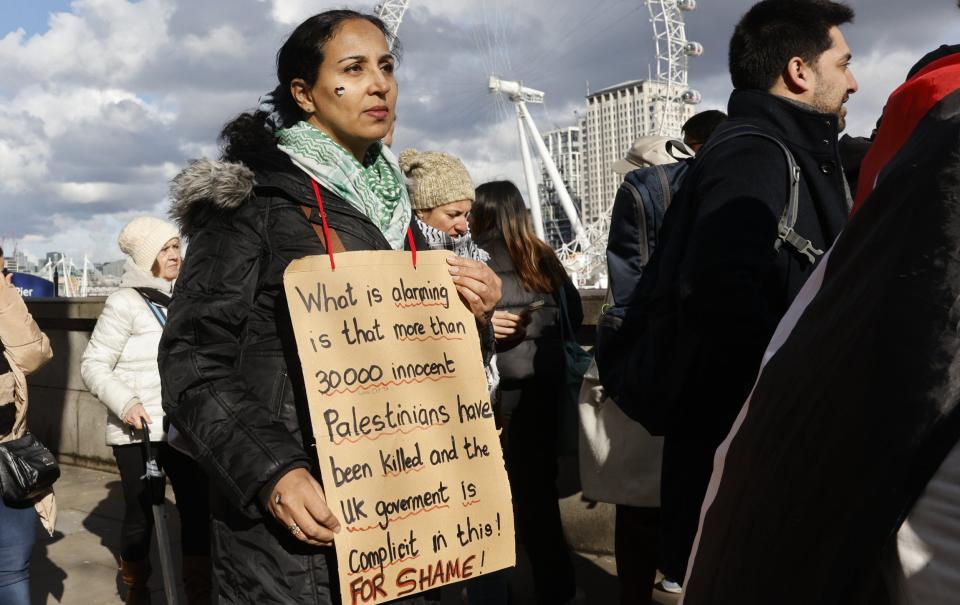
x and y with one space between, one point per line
636 216
627 335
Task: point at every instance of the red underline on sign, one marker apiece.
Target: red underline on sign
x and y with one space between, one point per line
388 383
409 470
420 304
353 573
426 338
471 503
395 519
354 530
379 435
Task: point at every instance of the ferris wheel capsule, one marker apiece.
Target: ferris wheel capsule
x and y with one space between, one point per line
691 97
693 49
687 5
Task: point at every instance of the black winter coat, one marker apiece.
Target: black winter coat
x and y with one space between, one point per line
231 376
718 263
718 272
540 353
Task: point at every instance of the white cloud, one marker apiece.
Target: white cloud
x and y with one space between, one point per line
22 163
223 41
95 236
99 111
101 40
89 192
293 12
60 108
879 73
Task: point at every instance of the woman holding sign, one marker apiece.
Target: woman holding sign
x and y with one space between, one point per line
232 381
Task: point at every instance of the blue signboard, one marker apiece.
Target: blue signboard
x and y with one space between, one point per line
32 286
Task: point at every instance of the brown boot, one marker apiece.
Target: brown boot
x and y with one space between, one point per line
135 575
196 579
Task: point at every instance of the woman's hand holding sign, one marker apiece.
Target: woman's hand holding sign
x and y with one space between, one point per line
477 284
298 503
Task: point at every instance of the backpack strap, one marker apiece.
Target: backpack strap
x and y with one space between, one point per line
641 222
788 219
665 184
155 300
335 245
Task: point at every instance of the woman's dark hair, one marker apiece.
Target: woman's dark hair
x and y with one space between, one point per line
299 57
773 31
499 210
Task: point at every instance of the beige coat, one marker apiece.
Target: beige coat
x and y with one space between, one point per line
26 350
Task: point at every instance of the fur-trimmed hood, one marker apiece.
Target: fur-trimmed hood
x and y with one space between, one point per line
205 186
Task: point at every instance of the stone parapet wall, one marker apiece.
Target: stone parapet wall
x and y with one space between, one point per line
63 413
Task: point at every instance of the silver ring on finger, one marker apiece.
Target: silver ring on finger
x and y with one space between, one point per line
295 530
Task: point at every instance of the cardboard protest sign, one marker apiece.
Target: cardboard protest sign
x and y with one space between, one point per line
409 453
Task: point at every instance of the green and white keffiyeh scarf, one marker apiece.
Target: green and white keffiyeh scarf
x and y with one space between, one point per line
375 187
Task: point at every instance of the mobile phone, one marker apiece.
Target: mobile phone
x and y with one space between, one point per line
536 305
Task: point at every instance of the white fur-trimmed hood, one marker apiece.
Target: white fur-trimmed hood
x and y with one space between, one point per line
206 185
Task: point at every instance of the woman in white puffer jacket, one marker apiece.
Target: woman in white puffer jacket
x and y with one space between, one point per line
119 366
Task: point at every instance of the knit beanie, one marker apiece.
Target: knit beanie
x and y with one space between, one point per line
143 238
436 178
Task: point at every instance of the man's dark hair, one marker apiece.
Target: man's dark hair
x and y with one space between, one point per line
699 127
773 31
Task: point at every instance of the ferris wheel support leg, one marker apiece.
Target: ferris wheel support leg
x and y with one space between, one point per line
558 183
532 193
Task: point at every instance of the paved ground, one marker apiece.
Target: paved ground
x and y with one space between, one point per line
77 565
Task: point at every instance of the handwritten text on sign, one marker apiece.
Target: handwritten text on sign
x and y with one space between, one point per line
408 449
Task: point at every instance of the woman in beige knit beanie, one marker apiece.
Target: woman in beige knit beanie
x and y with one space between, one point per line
441 191
154 247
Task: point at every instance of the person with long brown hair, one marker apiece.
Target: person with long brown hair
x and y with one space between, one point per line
533 285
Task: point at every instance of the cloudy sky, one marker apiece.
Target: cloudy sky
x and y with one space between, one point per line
102 101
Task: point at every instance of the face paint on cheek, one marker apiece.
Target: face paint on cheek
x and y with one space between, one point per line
340 91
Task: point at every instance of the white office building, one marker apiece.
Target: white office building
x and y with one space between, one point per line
616 116
564 147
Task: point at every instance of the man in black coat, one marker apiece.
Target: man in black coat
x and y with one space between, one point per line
854 423
718 276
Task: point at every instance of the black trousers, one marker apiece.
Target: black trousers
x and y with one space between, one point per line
687 468
191 490
636 541
529 411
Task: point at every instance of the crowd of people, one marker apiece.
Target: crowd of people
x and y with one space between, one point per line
772 405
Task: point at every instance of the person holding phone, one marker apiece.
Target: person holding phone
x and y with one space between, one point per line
119 366
533 280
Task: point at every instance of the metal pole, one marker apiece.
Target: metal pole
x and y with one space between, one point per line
532 193
558 183
154 479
